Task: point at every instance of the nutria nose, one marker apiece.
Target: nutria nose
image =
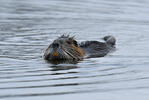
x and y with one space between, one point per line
55 45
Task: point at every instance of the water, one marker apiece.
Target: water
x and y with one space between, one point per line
27 27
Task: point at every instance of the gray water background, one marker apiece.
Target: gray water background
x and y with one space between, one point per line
27 27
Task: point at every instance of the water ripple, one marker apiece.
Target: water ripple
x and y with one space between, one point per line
28 27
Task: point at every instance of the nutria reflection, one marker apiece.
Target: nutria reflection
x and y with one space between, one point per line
66 48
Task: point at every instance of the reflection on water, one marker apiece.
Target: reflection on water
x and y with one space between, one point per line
58 68
56 62
28 27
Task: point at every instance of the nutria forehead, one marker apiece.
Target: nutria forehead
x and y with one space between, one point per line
64 38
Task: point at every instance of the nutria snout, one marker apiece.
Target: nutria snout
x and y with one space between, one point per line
67 48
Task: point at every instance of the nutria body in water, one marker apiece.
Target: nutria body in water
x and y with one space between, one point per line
67 48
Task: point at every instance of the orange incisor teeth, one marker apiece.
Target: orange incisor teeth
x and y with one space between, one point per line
55 53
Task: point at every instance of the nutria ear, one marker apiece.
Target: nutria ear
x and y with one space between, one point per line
75 43
70 39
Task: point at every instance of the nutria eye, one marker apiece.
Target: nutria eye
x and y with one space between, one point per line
75 43
68 42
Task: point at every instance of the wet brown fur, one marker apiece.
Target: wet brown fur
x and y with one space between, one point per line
68 48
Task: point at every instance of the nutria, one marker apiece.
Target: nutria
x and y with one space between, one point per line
67 48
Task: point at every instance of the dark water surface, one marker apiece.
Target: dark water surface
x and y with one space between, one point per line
27 27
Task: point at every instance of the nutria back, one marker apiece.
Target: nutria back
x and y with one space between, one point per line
98 49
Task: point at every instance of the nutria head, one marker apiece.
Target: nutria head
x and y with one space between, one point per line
64 48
